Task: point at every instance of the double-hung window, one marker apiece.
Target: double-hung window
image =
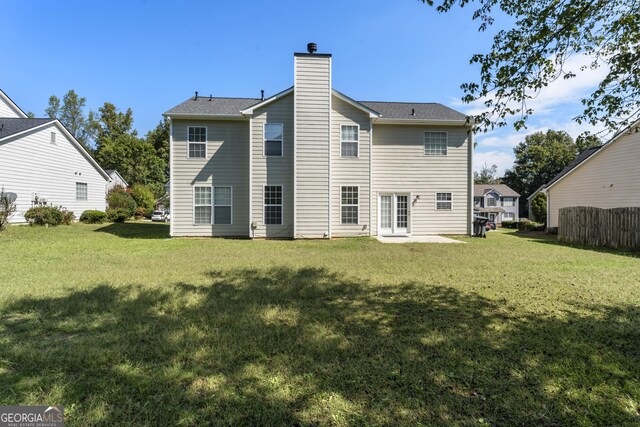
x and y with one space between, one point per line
435 143
443 201
508 216
197 141
349 140
272 204
81 191
201 205
491 201
273 136
222 201
349 205
508 201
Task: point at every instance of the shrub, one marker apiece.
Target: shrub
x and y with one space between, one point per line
530 226
117 215
509 224
121 200
144 198
539 207
93 217
44 215
67 217
140 212
7 208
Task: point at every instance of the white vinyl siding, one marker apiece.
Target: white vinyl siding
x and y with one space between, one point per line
222 205
201 205
435 143
349 135
273 139
197 138
444 201
82 192
272 204
349 205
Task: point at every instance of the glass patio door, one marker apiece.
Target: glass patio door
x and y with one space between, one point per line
394 214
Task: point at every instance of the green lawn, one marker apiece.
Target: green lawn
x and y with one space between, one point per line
124 326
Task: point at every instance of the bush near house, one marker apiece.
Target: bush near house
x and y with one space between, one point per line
118 215
144 198
49 215
530 226
118 198
539 207
7 208
141 212
509 224
93 217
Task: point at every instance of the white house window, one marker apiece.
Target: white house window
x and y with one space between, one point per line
435 143
81 191
349 205
53 137
222 198
273 135
508 201
197 142
272 204
491 201
443 201
349 140
508 216
201 205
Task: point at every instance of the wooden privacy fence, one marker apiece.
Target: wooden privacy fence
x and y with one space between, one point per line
615 228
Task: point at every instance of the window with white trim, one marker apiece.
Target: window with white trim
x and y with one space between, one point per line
444 201
222 201
201 205
197 139
81 191
273 204
273 137
349 205
491 201
508 201
435 143
349 135
508 216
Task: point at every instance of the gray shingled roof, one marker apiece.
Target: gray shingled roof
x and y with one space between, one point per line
11 126
423 111
389 110
213 106
479 190
584 155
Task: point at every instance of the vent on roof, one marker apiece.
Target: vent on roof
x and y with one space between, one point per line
262 95
196 97
210 97
312 47
413 111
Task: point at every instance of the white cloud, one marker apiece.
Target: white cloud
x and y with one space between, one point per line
503 160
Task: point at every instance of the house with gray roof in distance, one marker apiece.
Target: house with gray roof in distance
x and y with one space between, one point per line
311 162
498 202
116 179
43 164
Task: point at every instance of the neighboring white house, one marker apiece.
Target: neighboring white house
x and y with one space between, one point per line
116 179
602 177
310 162
498 202
42 163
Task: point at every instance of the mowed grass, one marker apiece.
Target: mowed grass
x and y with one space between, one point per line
124 326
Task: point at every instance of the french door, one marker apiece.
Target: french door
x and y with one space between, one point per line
394 214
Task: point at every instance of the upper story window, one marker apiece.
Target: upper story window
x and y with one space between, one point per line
349 135
435 143
197 141
491 201
508 201
81 191
273 137
444 201
273 204
201 205
222 197
349 205
478 201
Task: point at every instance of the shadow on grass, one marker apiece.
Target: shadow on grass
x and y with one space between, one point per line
552 239
307 347
137 230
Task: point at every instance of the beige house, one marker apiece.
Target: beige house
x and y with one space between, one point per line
310 162
602 177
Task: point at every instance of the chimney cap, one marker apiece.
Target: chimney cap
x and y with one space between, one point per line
312 47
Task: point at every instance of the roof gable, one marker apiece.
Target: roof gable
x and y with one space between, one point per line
7 105
480 190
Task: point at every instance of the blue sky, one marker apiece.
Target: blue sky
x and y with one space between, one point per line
152 55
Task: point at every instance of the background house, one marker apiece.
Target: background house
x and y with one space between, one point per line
116 179
604 177
43 164
497 202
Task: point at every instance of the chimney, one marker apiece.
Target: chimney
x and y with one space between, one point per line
312 47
